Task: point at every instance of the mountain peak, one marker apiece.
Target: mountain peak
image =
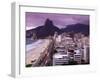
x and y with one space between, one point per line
48 22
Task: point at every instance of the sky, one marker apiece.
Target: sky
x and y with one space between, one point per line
34 20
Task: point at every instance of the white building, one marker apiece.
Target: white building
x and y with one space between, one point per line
86 54
58 39
78 56
60 59
55 35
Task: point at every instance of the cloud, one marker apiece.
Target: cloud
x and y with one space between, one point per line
61 20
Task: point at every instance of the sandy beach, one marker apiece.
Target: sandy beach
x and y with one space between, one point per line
34 50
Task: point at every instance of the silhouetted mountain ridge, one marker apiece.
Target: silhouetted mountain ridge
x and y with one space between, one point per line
46 30
76 28
49 29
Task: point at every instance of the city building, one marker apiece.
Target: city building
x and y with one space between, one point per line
60 59
78 56
86 54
